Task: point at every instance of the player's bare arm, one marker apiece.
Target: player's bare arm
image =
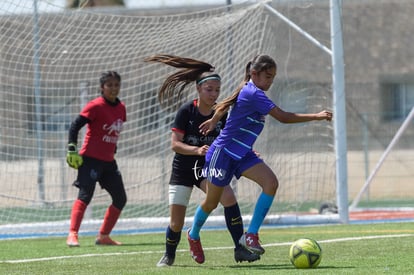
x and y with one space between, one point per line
288 117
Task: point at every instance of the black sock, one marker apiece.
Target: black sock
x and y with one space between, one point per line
172 241
234 223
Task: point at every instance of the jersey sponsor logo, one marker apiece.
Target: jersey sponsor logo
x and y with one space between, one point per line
115 128
200 172
197 171
113 131
198 141
208 140
192 140
215 173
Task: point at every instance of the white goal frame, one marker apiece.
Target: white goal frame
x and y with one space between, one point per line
338 79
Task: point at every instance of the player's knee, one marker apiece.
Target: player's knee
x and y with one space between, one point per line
86 198
176 226
208 207
271 185
120 201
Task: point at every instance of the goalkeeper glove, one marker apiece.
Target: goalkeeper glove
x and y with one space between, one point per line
73 159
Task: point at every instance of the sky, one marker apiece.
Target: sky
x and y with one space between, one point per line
26 6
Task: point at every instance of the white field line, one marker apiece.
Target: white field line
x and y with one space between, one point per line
207 248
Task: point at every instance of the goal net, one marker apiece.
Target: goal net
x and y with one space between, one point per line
50 62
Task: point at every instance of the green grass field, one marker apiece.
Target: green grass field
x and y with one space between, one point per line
380 248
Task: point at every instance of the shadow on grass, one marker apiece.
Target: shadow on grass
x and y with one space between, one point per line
283 266
150 244
89 245
265 267
262 266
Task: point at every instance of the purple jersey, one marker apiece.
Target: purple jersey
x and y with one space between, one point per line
245 121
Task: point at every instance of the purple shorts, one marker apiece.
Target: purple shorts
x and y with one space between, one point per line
220 168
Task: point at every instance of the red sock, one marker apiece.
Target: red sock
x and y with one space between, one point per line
78 210
110 219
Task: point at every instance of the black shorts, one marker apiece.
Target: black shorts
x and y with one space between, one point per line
93 170
185 178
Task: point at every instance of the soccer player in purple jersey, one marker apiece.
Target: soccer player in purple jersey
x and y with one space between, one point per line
231 153
190 147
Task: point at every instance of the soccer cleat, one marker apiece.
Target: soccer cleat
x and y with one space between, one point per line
105 240
242 254
196 250
166 260
72 240
250 241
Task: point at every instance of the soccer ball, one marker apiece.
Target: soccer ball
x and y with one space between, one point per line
305 253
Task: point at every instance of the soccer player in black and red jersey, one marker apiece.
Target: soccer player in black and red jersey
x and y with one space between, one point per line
190 147
104 117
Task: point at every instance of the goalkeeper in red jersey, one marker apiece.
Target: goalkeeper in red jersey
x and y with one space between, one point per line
104 117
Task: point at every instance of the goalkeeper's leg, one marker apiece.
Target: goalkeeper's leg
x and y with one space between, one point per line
114 185
86 189
111 217
78 211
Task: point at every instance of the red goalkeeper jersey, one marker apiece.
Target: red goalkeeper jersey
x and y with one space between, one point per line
103 130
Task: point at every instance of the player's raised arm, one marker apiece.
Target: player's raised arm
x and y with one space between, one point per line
288 117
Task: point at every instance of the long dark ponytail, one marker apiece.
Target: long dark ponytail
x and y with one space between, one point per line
174 84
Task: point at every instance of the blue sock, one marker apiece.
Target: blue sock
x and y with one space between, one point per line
260 211
200 218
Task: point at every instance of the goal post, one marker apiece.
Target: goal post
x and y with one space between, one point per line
338 86
45 86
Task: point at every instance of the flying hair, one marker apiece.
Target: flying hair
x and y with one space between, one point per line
175 84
